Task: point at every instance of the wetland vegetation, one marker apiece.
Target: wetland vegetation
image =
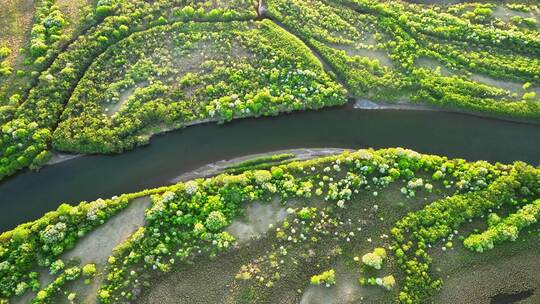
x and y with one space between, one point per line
332 225
348 222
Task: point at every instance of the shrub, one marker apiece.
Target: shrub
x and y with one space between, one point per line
327 278
504 230
89 270
388 282
188 11
4 52
56 266
215 221
374 259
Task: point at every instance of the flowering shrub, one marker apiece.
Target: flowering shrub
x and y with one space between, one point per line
56 266
374 259
388 282
94 211
262 176
215 221
89 270
191 187
328 278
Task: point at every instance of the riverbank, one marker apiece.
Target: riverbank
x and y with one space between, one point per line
220 166
353 105
366 104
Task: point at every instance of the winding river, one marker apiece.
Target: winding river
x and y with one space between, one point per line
29 195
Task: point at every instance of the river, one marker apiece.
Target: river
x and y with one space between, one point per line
29 195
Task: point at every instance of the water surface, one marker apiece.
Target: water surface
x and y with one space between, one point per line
29 195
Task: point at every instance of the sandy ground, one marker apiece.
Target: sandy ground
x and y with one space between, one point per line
96 247
257 220
220 166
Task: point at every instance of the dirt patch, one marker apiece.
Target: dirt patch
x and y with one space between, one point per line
110 234
124 96
259 218
513 87
347 289
97 246
506 14
61 157
74 12
15 22
366 104
432 64
204 282
505 298
375 54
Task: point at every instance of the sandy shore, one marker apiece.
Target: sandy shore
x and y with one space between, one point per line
220 166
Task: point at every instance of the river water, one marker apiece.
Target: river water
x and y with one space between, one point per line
29 195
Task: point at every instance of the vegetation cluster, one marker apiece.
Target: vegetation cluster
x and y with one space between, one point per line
188 221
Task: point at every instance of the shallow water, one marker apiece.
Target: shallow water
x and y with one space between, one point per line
29 195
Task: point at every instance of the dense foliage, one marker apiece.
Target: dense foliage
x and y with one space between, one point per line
46 29
275 182
105 90
184 73
136 68
39 243
413 53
